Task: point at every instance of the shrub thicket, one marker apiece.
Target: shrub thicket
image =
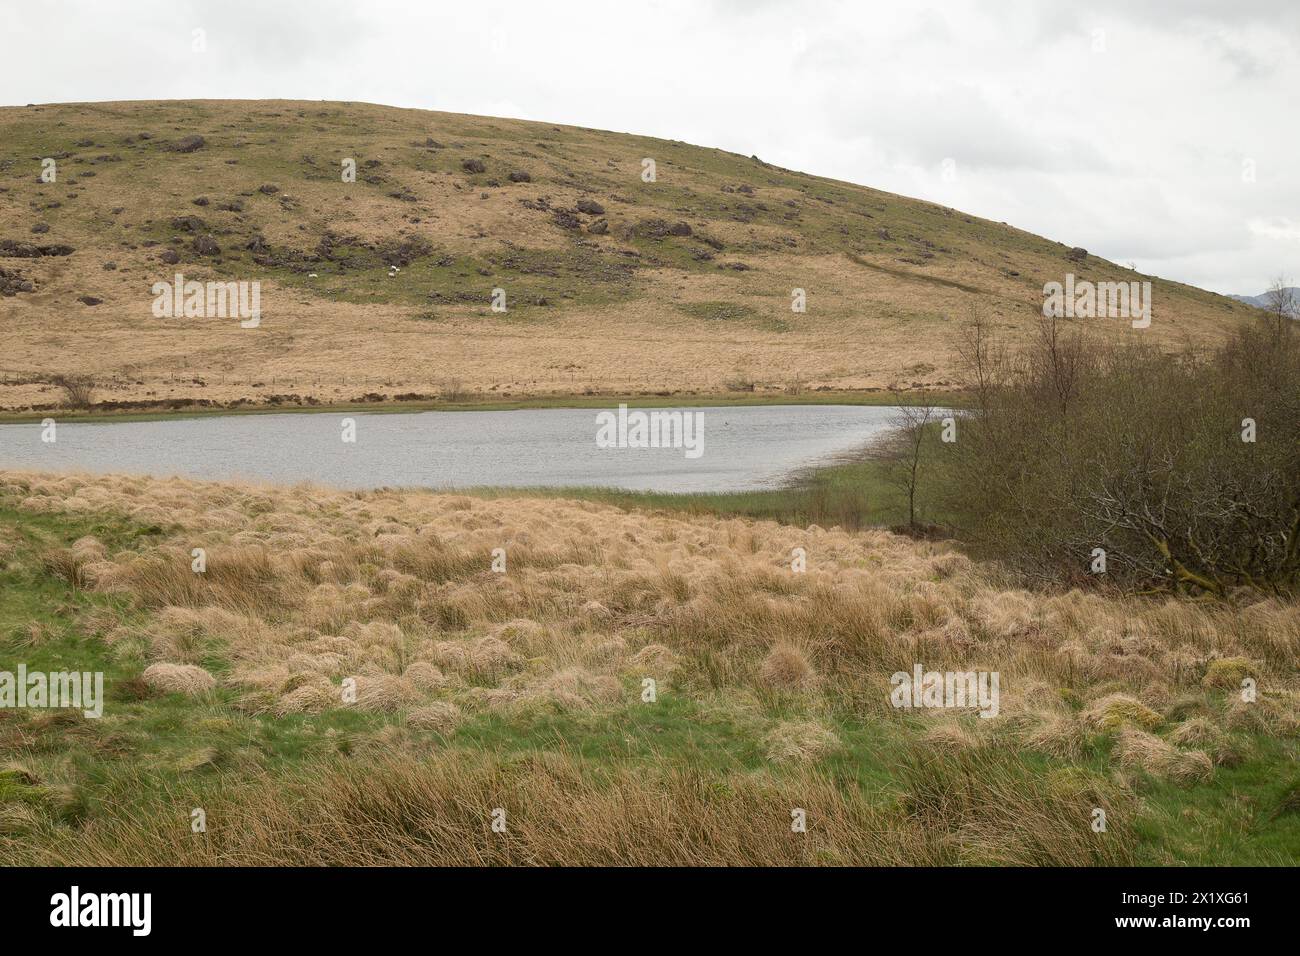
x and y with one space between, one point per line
1182 466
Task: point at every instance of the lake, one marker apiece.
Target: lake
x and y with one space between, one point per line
737 448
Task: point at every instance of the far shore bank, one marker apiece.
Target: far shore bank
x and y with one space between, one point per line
168 409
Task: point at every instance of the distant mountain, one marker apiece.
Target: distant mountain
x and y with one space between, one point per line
1261 301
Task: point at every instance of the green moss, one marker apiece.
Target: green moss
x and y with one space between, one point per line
1227 673
1119 710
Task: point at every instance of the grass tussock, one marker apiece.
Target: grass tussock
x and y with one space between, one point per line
168 678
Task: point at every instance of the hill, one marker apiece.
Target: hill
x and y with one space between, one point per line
613 284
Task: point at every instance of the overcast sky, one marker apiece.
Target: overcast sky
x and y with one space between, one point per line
1163 133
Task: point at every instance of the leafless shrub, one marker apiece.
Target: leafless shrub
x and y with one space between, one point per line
451 389
78 391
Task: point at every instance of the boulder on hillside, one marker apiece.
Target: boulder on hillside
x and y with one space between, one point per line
650 228
205 246
12 282
27 250
565 219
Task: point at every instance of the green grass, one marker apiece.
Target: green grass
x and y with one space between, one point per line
854 494
1248 815
675 727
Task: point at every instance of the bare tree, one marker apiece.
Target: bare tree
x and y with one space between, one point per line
982 360
911 424
1281 302
1062 359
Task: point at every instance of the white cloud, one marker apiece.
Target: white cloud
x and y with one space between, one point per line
1278 227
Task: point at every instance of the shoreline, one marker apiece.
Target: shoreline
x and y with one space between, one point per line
390 406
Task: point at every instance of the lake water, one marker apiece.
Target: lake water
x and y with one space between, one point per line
743 448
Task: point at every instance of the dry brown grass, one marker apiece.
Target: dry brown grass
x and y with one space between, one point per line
1144 751
800 741
786 668
308 588
441 716
437 811
178 678
395 589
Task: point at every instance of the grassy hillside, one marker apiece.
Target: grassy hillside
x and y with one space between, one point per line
613 284
525 691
